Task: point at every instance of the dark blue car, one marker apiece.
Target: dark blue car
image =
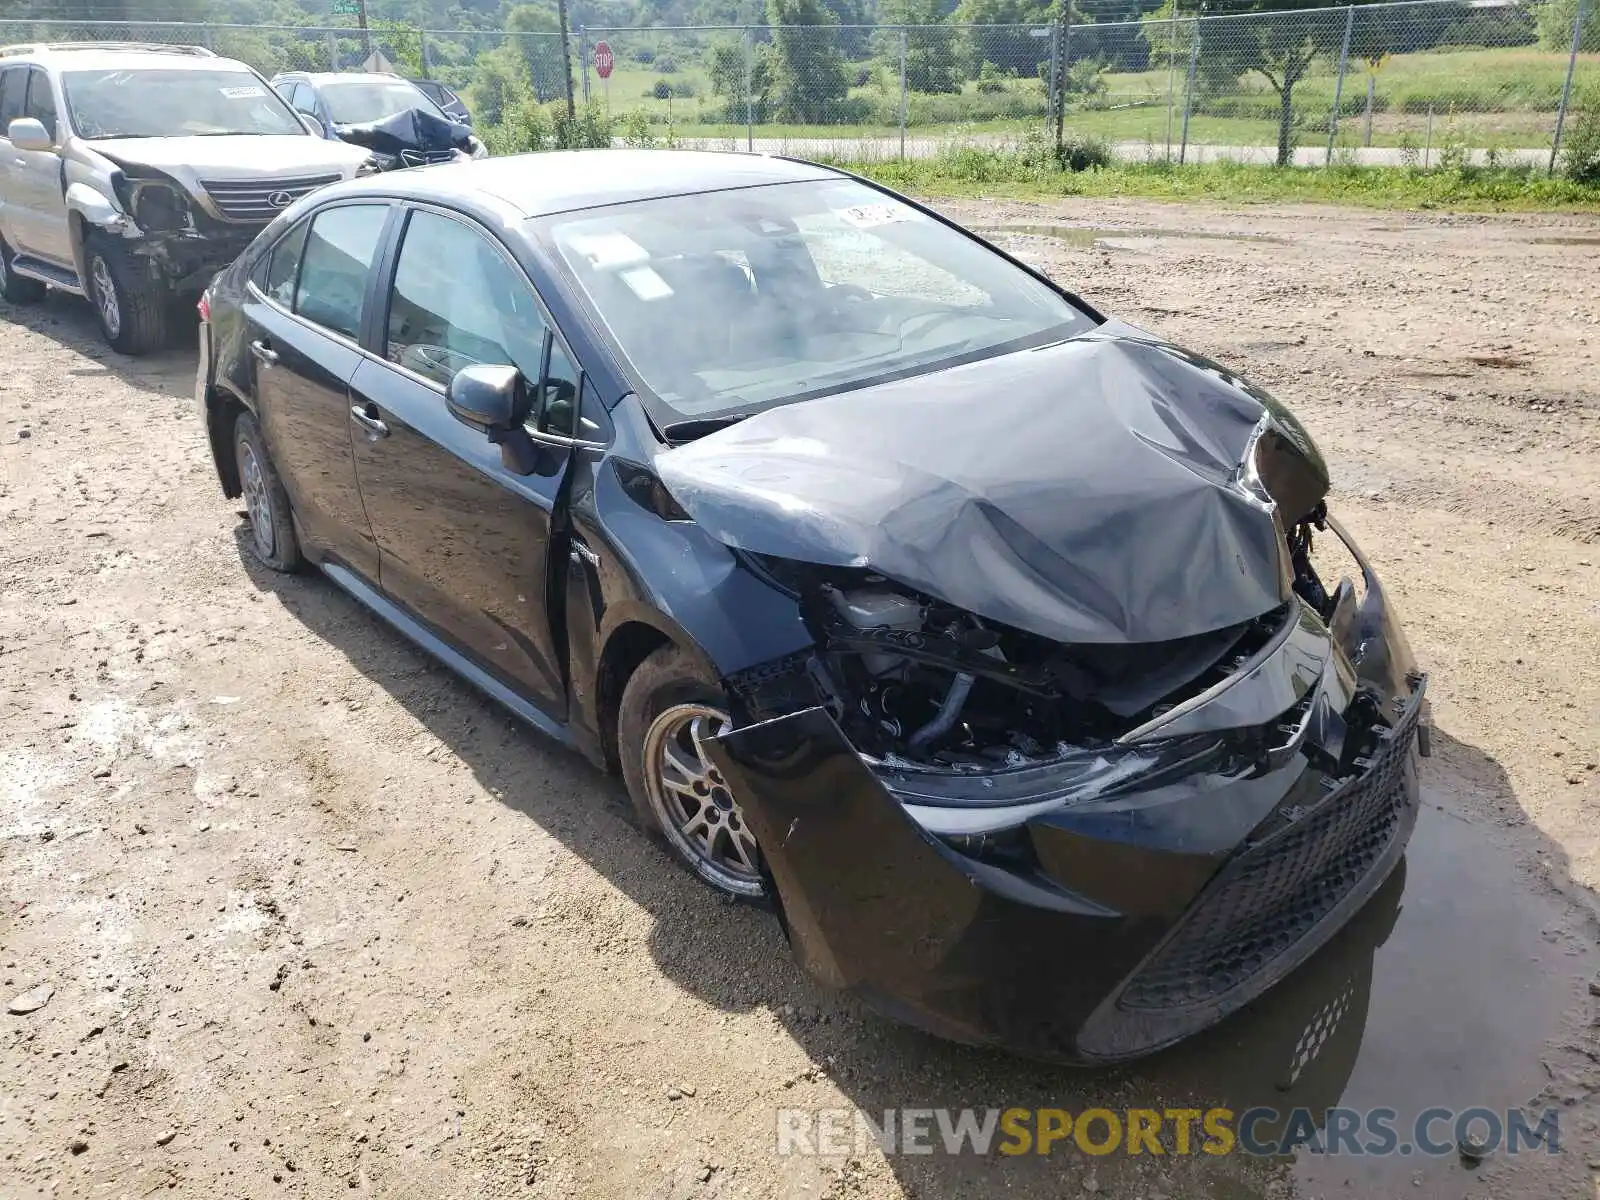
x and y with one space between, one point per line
1000 646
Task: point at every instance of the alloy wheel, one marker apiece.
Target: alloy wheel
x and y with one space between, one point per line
105 295
257 502
695 807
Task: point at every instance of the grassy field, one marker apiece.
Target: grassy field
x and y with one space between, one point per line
1484 98
977 172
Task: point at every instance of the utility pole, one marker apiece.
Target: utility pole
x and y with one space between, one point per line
1063 56
566 53
361 21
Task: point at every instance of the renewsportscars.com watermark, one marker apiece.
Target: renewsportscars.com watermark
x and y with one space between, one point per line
1433 1132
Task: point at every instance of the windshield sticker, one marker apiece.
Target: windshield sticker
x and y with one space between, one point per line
608 251
243 93
645 283
865 216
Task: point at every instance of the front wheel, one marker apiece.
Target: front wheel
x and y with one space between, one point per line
130 306
669 712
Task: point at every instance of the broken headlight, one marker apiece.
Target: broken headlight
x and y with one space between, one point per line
157 205
1282 466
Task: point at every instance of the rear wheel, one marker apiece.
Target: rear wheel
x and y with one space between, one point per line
669 712
131 307
272 535
15 288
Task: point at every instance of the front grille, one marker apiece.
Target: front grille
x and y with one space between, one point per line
1275 892
426 158
259 200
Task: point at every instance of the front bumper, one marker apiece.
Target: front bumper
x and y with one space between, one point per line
1131 922
187 261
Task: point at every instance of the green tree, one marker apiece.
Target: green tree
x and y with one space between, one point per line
535 31
931 61
1278 40
402 45
1554 20
499 81
808 71
725 65
1011 47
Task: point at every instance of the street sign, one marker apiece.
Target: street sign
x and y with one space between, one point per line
602 59
1039 33
346 8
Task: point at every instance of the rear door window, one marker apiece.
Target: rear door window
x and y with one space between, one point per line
335 264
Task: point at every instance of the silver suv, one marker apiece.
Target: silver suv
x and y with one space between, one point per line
130 174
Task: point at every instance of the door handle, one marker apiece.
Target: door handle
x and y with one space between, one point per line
264 352
369 420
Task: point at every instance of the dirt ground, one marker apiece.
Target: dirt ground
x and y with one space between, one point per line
319 920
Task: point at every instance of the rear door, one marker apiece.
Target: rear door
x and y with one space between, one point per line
304 315
465 542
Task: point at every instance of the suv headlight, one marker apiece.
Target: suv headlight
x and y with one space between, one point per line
156 205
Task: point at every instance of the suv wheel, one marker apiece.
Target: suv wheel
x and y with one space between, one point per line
15 288
131 308
668 711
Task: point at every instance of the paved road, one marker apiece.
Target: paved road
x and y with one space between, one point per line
870 149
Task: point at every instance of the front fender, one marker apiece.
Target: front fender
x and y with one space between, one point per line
99 210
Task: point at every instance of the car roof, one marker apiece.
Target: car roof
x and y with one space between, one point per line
93 56
565 180
316 78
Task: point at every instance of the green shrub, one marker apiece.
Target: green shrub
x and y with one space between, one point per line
1580 140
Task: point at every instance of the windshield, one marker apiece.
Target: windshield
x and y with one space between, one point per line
361 101
149 102
724 302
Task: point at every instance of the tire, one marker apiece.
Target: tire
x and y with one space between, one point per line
132 309
15 288
271 538
680 797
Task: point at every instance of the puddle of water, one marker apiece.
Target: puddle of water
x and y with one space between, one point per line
1565 241
1442 992
1086 237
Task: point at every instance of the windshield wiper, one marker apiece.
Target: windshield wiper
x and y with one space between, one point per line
680 432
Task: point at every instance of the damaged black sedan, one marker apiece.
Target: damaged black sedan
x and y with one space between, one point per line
1010 652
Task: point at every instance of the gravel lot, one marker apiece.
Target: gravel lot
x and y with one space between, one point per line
318 918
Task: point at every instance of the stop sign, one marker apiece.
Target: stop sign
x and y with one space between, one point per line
602 59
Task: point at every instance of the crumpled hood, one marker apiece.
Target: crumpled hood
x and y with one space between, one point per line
413 129
244 157
1084 491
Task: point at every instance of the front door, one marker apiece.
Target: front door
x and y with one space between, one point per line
464 541
305 317
34 181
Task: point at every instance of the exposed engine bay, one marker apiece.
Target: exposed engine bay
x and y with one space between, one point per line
919 684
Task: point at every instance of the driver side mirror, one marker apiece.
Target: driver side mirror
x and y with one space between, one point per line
312 123
491 399
26 133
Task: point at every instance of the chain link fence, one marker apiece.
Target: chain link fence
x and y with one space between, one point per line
1421 83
